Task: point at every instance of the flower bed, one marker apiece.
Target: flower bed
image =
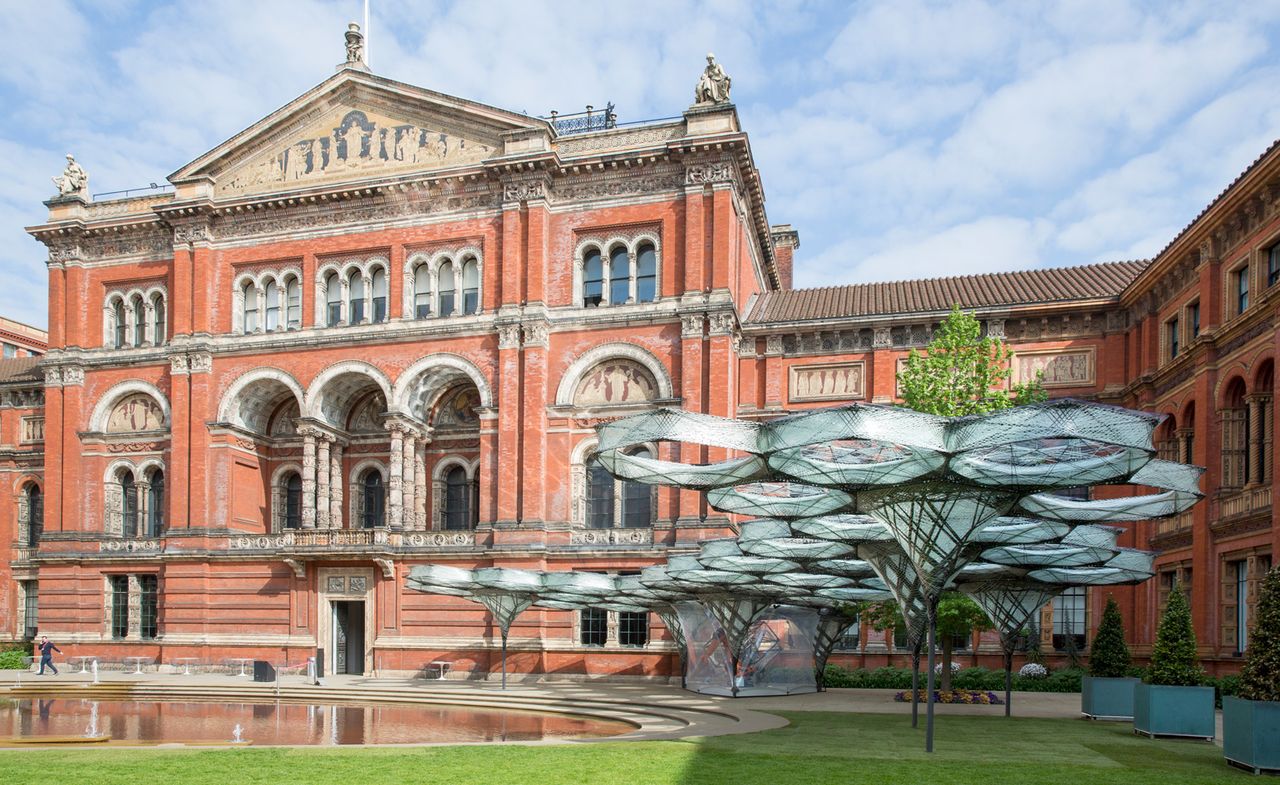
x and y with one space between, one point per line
971 697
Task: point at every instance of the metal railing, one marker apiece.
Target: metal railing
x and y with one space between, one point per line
584 122
150 188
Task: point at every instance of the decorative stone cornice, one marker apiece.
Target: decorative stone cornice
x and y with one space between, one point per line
536 334
722 322
773 345
201 362
995 328
509 336
709 173
524 190
691 325
178 365
882 338
72 375
193 233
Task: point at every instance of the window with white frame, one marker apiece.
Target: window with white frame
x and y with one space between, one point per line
616 271
352 292
445 284
268 302
422 291
134 318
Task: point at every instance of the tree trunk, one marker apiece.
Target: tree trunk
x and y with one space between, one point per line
947 640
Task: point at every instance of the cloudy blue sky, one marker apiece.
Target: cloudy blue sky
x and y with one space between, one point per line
902 139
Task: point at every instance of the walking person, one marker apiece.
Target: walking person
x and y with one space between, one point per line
46 654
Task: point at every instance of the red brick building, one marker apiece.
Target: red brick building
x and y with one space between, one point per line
374 330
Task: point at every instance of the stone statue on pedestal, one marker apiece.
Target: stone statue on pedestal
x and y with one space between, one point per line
713 86
355 43
74 180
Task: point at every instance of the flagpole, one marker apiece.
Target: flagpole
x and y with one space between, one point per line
366 32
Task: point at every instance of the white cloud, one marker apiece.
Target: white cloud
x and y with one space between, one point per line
901 137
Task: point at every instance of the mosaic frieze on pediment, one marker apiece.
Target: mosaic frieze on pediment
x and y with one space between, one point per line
352 144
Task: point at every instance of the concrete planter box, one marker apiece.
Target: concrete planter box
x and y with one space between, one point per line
1251 733
1173 711
1106 698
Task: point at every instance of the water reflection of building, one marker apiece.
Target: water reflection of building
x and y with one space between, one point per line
274 391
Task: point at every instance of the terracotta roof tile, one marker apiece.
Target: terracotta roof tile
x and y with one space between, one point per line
21 369
991 290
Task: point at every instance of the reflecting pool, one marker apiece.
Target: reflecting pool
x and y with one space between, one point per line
163 722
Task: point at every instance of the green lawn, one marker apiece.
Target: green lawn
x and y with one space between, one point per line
816 748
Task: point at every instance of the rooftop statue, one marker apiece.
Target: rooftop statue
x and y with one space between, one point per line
74 180
713 86
355 43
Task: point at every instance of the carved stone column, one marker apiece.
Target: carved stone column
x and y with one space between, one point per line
135 609
420 486
322 483
335 485
308 479
409 486
395 483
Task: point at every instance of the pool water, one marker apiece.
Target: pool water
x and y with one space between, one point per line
163 722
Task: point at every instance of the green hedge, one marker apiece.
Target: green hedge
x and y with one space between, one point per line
11 659
1064 680
889 678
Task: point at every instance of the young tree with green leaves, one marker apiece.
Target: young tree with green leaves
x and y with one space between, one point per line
1173 659
1260 679
961 372
1109 655
957 615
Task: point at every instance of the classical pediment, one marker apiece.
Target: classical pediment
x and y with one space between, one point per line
354 126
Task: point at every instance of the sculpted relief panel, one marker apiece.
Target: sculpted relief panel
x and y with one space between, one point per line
351 146
1059 368
615 382
831 382
136 413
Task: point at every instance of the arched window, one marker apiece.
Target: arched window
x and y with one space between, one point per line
637 501
599 497
619 276
447 288
371 499
250 293
421 292
333 299
457 499
646 274
129 508
355 299
35 515
379 296
272 296
1235 436
293 501
470 286
592 279
139 321
293 303
159 323
117 313
155 504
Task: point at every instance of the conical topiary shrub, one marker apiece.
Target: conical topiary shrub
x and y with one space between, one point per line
1173 660
1109 656
1260 679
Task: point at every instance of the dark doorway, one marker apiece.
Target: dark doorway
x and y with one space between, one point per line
348 637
